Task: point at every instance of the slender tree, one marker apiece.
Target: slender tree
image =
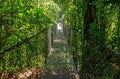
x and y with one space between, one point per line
118 29
89 17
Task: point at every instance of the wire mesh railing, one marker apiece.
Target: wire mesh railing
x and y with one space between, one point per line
99 62
105 47
28 53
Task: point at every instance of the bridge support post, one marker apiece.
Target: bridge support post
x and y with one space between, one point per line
49 38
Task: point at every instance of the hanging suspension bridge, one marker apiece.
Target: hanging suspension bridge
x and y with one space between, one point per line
59 64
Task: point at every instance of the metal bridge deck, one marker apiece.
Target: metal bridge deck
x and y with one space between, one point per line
59 64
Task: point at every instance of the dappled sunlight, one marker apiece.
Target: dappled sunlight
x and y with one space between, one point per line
59 41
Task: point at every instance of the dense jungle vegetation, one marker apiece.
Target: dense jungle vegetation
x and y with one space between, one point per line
92 29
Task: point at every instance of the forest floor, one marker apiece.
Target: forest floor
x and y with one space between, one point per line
59 64
32 73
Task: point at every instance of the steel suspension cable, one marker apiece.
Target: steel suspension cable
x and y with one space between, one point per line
21 42
107 48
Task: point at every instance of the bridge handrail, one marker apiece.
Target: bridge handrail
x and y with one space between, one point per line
21 42
107 48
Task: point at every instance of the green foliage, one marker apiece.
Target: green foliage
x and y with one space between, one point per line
20 20
23 18
103 31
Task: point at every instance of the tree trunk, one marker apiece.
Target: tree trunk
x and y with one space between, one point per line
118 31
0 39
49 38
89 17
